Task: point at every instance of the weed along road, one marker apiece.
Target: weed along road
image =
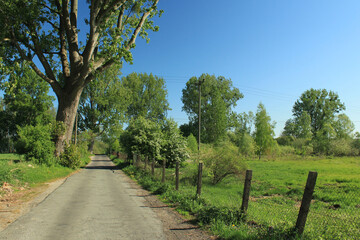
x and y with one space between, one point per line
95 203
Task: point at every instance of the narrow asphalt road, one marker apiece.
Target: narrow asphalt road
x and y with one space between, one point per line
93 204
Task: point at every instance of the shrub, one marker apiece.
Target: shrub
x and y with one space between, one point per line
246 145
192 143
342 147
70 157
35 143
222 161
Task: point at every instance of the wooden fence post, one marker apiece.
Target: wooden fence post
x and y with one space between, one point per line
246 193
305 203
177 176
199 180
163 171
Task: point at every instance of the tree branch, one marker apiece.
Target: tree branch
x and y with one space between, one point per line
54 84
101 17
62 39
72 37
139 26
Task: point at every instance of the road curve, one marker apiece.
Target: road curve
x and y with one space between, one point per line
95 203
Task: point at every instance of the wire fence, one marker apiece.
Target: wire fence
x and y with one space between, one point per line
334 209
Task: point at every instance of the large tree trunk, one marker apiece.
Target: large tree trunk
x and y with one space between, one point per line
67 109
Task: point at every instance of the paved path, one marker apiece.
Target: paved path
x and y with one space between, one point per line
93 204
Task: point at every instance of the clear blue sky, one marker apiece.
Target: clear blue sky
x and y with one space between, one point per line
272 50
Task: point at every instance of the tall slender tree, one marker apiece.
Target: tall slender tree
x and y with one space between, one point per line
264 131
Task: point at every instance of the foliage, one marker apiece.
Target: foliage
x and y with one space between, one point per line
342 147
147 96
26 102
24 174
35 142
277 188
218 96
102 104
223 160
321 106
192 143
143 136
299 127
343 126
173 147
46 35
264 131
71 157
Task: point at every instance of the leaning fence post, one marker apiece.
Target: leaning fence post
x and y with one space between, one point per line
199 180
177 176
246 193
163 171
305 203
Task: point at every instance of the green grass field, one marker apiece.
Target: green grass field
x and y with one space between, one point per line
275 198
19 173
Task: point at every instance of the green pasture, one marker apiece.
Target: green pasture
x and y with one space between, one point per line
19 173
275 198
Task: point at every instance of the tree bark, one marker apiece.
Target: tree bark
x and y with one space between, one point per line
67 109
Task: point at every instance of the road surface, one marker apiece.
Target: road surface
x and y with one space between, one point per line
95 203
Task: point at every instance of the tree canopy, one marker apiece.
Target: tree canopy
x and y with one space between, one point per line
103 103
218 96
321 106
147 96
48 31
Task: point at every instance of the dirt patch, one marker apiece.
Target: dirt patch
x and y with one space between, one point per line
174 225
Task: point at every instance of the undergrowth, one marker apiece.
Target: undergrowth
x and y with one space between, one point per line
226 222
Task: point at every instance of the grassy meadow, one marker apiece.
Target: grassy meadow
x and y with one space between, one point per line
18 172
275 198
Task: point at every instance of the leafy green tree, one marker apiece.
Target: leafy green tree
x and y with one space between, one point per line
323 138
49 31
27 98
26 102
192 143
218 96
299 127
343 126
147 96
143 136
174 144
223 160
102 105
242 124
321 106
264 131
36 144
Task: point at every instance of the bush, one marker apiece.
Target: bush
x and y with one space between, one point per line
192 143
70 157
35 143
222 161
342 147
